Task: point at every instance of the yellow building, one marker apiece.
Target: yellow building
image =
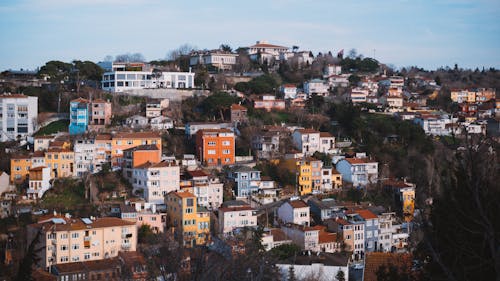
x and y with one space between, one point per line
60 161
19 168
191 222
462 95
405 196
308 175
336 179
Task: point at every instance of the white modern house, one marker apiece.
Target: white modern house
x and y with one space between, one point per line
359 170
294 211
156 180
316 86
85 153
289 91
263 50
216 58
236 216
309 141
437 125
124 77
18 116
39 182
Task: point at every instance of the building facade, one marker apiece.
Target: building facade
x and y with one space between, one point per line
18 116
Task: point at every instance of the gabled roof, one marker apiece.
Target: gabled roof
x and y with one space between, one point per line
307 131
238 107
366 214
80 100
267 45
298 204
182 194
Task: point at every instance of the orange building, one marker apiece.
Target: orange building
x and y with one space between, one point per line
215 146
123 141
139 155
19 168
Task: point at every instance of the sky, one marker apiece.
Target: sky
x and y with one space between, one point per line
424 33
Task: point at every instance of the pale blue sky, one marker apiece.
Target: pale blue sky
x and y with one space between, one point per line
426 33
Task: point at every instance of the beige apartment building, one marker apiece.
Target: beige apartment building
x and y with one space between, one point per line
63 239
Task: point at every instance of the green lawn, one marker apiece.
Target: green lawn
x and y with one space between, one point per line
67 195
54 127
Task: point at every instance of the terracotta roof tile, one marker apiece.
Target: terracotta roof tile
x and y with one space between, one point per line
298 204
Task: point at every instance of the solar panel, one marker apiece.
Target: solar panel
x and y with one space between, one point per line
87 221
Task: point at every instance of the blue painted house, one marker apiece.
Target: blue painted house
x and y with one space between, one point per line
247 180
78 116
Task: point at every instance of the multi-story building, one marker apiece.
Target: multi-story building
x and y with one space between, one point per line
358 95
437 125
215 58
404 195
85 114
18 116
263 51
324 209
463 95
139 155
215 147
192 128
123 141
371 229
207 189
306 237
156 180
269 103
236 216
191 222
39 182
124 77
65 239
294 211
309 141
238 114
309 175
289 91
247 180
359 170
42 142
316 87
85 153
103 151
60 162
266 144
274 237
19 168
100 114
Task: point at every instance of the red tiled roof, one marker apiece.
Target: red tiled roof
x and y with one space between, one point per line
82 100
359 160
17 96
197 173
325 135
267 45
366 214
238 107
298 204
373 261
236 208
278 234
183 194
307 131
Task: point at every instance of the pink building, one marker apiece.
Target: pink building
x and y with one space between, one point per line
100 114
269 102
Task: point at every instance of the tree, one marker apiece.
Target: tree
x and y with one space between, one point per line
129 57
182 50
340 276
226 48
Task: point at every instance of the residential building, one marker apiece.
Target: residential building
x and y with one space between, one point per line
236 216
19 168
371 229
324 209
138 155
437 125
108 269
161 123
154 108
238 114
247 181
156 180
18 116
463 95
269 103
60 162
215 58
266 144
274 237
404 195
345 229
42 142
85 114
144 216
100 114
193 127
123 141
322 266
289 91
358 95
137 122
316 86
392 235
126 77
294 211
65 239
262 51
359 170
309 175
103 144
341 80
39 182
191 222
309 141
85 153
207 189
306 237
215 147
332 69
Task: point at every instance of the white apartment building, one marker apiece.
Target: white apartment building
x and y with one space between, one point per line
306 237
216 58
85 153
289 91
18 116
161 123
156 180
235 217
358 95
309 141
316 86
359 170
127 77
42 142
294 211
65 239
436 125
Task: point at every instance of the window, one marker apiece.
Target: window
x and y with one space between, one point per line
211 143
226 143
226 151
75 235
64 247
64 259
75 247
211 152
86 256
